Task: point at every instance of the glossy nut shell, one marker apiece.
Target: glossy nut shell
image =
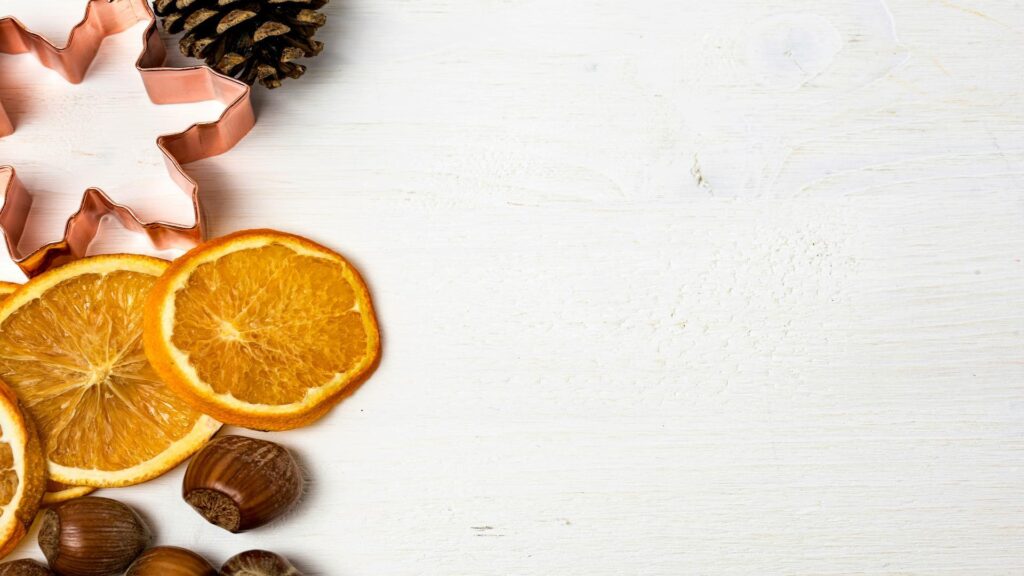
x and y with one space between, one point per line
240 483
258 563
170 561
24 568
92 537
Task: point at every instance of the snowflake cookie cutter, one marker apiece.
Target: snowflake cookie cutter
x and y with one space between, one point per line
163 86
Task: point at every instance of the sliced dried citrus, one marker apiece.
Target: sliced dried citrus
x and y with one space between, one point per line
22 472
71 347
261 329
55 491
6 289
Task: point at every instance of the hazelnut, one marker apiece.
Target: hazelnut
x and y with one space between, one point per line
258 563
92 537
24 568
170 561
239 483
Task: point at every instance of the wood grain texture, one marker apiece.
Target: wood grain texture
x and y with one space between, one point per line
667 287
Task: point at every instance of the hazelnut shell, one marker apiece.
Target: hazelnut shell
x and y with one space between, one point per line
240 483
170 561
92 537
258 563
24 568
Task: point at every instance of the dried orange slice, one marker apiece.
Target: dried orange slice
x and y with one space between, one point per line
55 491
261 329
6 289
71 348
22 472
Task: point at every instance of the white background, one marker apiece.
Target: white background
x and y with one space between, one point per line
667 287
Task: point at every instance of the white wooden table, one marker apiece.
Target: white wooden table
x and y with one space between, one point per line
667 287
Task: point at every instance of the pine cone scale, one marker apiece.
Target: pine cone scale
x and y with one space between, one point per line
312 17
292 53
234 18
197 18
269 30
230 62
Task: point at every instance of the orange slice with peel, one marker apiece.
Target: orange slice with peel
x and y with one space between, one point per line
55 491
22 472
262 329
71 348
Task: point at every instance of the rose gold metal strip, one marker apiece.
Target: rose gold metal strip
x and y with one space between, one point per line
164 86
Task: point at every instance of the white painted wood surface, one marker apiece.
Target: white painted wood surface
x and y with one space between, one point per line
668 287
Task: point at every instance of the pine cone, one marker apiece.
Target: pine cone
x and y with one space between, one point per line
247 39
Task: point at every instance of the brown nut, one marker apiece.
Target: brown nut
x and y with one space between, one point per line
24 568
258 563
239 483
170 561
92 537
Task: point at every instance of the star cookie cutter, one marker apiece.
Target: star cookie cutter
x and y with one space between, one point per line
163 86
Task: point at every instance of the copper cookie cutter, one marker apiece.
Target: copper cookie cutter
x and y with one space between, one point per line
164 86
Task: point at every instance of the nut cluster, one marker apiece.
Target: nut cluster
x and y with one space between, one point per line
235 482
171 561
